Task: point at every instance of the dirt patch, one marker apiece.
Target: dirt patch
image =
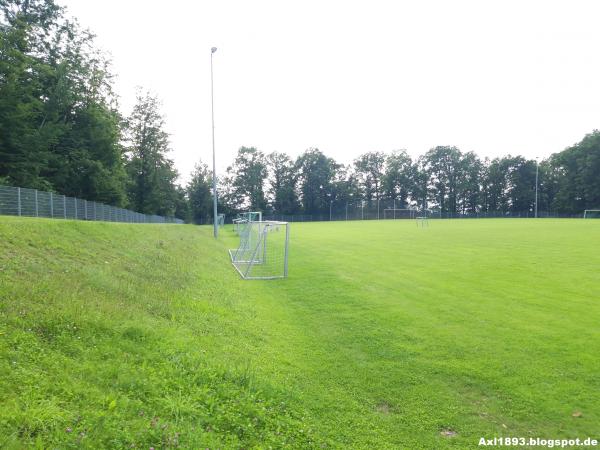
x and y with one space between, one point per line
383 408
448 433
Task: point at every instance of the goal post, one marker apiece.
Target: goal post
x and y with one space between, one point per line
221 220
591 214
399 213
262 253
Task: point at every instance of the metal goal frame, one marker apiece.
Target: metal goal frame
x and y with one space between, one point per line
253 252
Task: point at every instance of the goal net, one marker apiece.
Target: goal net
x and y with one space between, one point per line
262 253
241 221
591 214
394 213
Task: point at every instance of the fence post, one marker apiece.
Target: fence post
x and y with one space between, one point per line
51 206
95 217
19 200
36 204
75 203
85 207
287 244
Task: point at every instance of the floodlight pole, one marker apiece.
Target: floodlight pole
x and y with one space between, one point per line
537 166
214 174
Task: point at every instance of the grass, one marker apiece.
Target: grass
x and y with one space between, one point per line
385 335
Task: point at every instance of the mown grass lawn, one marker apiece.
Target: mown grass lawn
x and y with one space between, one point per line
385 335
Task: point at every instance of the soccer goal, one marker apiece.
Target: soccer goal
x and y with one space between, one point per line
238 222
241 221
262 253
220 220
395 213
422 217
422 221
591 214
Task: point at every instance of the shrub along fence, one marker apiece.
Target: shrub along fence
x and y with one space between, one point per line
16 201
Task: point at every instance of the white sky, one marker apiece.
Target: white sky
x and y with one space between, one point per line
494 77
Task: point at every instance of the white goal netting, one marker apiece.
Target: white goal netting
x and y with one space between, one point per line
240 223
263 250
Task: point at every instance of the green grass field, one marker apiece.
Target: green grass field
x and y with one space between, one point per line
385 335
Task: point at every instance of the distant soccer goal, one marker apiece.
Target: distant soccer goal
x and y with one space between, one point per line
220 220
240 222
262 253
396 213
422 217
591 214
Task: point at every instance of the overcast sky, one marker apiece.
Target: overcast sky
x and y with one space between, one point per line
494 77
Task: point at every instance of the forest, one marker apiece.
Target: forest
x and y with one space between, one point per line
61 130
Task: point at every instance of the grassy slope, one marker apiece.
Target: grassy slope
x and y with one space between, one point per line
383 336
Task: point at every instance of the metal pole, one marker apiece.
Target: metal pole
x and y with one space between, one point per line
537 166
51 206
64 207
212 105
287 242
19 200
330 204
36 204
346 210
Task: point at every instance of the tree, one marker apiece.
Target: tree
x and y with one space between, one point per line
420 189
575 176
248 175
443 165
22 151
60 126
369 169
521 180
510 185
283 198
151 174
199 194
398 180
497 187
469 185
316 173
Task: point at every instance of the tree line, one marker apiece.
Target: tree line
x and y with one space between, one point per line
60 125
445 179
61 130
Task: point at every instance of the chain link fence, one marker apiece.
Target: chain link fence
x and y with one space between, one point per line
386 209
15 201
